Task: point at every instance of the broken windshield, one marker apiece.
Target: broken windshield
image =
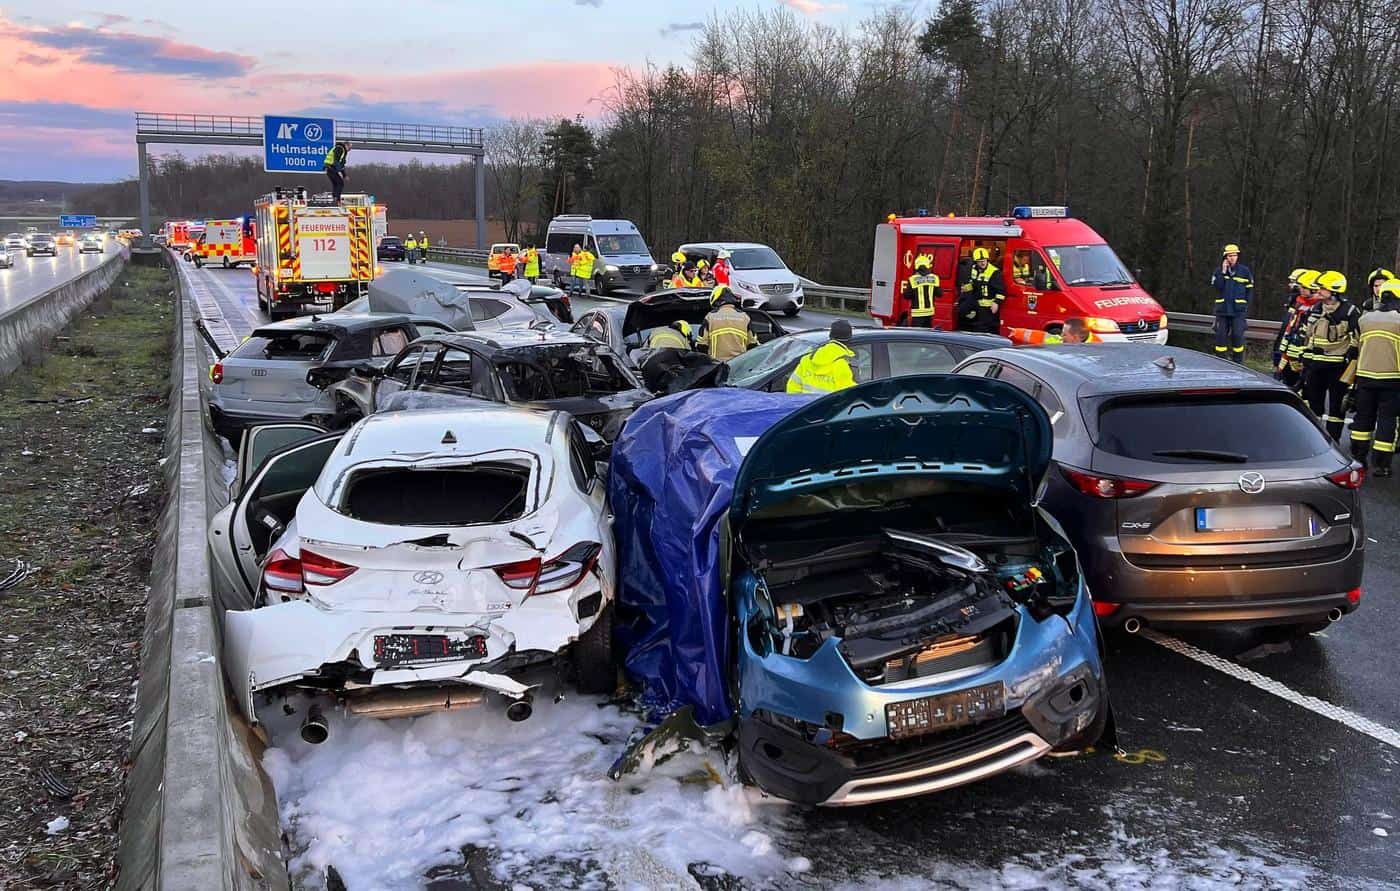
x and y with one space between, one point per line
562 373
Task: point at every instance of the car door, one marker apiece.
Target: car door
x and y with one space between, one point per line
400 374
460 373
262 440
243 532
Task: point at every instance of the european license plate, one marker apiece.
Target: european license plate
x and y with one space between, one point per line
1258 518
915 717
392 650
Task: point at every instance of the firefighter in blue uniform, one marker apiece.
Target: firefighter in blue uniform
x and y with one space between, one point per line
1235 285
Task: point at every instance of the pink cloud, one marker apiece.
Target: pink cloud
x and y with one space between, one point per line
813 7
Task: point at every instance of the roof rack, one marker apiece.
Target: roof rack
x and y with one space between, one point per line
574 217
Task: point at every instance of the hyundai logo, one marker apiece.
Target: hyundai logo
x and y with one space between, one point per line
1251 483
427 577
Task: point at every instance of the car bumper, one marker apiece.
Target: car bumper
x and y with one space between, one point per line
1158 337
779 302
1255 595
230 424
1054 691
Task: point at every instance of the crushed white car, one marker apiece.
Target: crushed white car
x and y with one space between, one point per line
416 562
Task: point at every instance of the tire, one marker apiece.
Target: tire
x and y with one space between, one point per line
592 657
791 310
225 262
262 304
198 263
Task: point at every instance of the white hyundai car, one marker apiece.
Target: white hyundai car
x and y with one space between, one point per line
418 561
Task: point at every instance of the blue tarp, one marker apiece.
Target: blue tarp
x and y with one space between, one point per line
670 485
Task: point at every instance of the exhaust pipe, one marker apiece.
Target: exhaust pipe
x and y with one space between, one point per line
314 728
1334 614
1132 625
519 710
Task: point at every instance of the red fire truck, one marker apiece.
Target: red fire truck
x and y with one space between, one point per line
1054 267
313 254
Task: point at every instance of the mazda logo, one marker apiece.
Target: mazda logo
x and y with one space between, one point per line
1251 483
428 577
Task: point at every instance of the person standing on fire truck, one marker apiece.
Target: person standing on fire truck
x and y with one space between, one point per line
335 167
980 299
1235 284
921 290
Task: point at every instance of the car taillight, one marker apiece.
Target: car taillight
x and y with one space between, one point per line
320 570
521 575
1354 596
216 372
1106 609
1097 485
1350 478
282 573
569 568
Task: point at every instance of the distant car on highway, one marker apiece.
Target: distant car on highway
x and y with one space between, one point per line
281 371
1195 490
41 243
6 261
758 277
90 243
542 369
14 242
65 239
391 248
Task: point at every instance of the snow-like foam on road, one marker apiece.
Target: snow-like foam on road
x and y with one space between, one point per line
385 801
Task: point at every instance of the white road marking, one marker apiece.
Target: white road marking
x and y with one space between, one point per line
1346 717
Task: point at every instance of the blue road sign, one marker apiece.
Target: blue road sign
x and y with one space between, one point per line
296 145
77 220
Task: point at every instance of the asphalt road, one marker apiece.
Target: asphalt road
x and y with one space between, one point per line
1250 763
32 276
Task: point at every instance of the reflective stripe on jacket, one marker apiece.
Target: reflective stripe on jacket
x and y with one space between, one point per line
1380 347
667 339
726 333
924 288
1330 335
824 370
1235 287
585 265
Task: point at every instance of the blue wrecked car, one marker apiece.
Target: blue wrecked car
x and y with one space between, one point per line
857 591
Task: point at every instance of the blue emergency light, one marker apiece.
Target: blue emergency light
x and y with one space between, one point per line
921 212
1039 212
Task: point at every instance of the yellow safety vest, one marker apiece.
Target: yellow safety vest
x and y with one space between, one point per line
824 370
532 263
667 338
924 287
411 243
982 282
423 242
1380 346
585 265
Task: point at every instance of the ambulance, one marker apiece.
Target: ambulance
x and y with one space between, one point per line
178 234
228 243
312 253
1054 267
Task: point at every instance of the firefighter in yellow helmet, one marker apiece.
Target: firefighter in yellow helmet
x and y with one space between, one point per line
981 296
827 368
1294 339
1290 306
921 290
675 336
1373 429
1374 280
726 332
1235 285
1332 337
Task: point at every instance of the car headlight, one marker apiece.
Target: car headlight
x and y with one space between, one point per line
611 268
653 267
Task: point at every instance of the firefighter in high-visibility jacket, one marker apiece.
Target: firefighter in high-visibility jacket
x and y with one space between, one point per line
726 332
675 336
1294 335
921 290
1071 331
410 247
687 277
827 368
1377 397
981 296
1290 305
422 247
532 264
1235 285
1332 337
1374 281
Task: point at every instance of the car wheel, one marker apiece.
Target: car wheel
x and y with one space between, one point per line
225 262
198 263
792 310
262 304
592 657
598 287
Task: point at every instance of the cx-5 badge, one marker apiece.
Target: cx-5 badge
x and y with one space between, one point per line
1251 483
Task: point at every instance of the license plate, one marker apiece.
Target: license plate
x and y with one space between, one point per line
915 717
1258 518
391 650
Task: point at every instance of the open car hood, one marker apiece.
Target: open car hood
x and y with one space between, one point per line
684 304
924 426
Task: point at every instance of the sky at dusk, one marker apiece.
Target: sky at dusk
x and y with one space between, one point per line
75 75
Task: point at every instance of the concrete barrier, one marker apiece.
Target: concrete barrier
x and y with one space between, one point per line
25 329
200 812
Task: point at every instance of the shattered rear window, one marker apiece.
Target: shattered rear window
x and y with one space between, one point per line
438 496
299 345
561 373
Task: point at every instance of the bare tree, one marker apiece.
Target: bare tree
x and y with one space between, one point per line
513 156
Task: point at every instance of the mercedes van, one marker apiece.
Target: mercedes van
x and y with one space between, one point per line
623 260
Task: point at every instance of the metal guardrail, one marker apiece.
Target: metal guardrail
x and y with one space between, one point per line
464 256
857 300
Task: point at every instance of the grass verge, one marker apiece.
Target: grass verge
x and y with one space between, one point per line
80 443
